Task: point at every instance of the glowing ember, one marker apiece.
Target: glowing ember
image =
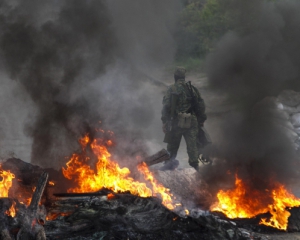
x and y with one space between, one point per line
25 201
52 216
108 174
6 182
11 211
246 202
110 196
51 183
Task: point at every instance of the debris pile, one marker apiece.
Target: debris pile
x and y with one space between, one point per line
108 215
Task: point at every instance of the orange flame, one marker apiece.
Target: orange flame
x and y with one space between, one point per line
245 202
51 183
6 182
11 211
52 216
108 174
110 196
25 201
166 196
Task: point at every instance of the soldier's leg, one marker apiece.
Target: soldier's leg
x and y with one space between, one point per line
173 146
190 136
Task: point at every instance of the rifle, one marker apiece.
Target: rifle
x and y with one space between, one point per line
203 137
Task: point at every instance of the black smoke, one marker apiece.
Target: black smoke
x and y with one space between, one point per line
49 59
252 65
82 62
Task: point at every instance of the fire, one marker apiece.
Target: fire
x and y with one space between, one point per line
11 211
51 183
166 196
246 202
187 212
282 200
52 216
25 201
6 182
108 174
110 196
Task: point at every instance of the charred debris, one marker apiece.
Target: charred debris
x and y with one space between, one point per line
108 215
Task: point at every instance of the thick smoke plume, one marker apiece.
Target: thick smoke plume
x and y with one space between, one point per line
81 62
259 61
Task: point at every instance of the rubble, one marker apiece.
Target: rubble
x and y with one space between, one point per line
283 111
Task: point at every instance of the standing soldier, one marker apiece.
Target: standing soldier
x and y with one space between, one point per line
183 114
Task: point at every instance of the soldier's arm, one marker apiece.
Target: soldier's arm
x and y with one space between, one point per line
166 110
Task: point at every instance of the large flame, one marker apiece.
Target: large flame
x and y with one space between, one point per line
245 202
158 189
108 174
5 182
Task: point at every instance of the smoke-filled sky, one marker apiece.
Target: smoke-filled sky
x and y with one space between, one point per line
68 64
249 65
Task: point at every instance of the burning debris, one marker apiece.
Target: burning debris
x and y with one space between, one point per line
248 198
248 201
108 174
118 207
93 197
108 215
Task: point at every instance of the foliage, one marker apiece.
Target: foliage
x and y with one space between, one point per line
201 23
204 22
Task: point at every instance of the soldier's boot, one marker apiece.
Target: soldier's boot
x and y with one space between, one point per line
195 166
170 165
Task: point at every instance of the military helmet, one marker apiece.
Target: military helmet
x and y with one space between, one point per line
179 72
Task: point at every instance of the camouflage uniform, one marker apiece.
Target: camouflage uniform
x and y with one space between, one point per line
183 104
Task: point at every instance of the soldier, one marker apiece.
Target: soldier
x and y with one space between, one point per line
183 114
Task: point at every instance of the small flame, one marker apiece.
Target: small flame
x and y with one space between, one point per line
51 183
186 212
110 196
12 210
52 216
